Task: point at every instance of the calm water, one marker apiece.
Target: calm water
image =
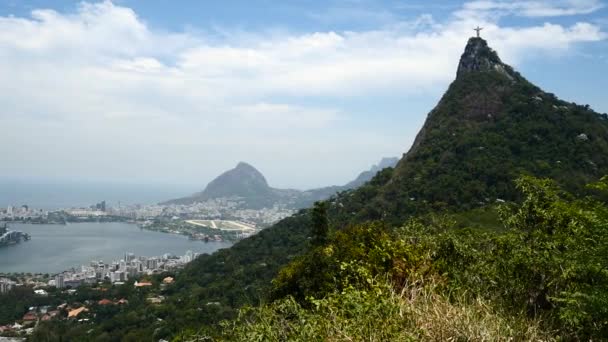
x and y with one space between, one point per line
54 248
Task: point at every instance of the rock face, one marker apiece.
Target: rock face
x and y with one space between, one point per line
478 56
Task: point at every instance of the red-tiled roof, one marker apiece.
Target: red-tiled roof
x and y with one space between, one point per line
30 316
143 283
76 312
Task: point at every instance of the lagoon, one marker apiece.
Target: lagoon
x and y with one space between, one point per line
55 248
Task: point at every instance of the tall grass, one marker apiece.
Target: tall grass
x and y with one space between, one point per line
414 313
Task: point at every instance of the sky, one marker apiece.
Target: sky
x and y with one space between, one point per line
309 92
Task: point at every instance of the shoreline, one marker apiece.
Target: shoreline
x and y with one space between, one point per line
80 243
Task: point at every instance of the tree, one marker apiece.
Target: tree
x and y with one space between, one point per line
320 224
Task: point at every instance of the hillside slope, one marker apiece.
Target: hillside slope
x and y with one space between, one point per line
491 126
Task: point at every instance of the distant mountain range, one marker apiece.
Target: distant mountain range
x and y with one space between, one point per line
249 186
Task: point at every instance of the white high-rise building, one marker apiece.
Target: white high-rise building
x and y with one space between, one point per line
189 256
129 257
59 281
152 264
118 276
6 285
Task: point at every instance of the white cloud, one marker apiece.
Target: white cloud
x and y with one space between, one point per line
529 8
283 116
101 85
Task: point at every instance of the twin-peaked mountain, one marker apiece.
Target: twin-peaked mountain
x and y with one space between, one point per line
249 186
490 127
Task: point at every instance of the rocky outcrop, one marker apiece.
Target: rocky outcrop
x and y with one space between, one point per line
479 57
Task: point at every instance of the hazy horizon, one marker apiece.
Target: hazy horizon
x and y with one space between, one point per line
55 193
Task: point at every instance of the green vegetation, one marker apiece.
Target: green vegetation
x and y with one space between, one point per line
545 278
486 131
320 224
414 313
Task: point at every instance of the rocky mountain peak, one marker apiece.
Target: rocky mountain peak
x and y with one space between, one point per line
479 57
244 173
244 166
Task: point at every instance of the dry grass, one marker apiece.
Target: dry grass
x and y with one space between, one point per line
416 313
438 319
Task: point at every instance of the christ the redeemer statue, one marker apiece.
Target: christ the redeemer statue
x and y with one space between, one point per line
478 29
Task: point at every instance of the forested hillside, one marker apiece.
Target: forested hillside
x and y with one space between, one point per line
430 279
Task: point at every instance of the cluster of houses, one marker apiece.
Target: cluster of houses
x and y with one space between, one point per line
77 312
43 314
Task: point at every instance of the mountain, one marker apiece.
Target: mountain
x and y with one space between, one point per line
490 127
244 182
250 186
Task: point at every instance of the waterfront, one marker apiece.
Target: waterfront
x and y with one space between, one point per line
55 248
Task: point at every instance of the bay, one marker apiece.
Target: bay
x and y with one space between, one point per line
55 248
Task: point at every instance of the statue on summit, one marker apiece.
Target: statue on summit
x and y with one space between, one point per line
478 29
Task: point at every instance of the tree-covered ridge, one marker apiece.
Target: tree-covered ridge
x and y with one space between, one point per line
544 278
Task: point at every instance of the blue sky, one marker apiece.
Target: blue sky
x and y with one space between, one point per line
309 92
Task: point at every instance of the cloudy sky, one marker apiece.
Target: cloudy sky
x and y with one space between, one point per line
309 92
